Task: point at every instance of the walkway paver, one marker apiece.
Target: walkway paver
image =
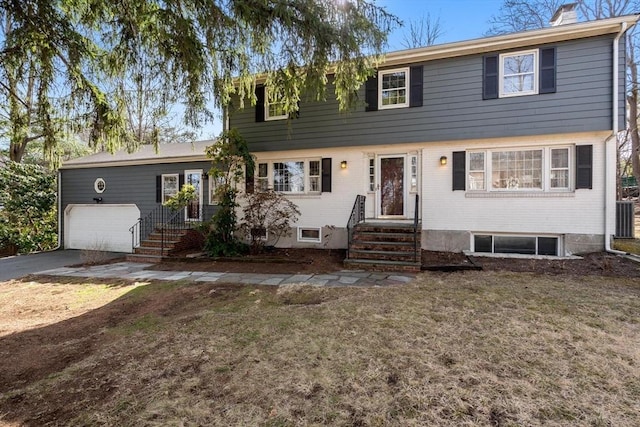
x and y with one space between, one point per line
140 271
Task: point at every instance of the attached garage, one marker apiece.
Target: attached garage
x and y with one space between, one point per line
99 226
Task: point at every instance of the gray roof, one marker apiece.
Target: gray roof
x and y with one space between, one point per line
167 153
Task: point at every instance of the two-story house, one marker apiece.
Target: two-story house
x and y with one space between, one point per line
508 142
501 144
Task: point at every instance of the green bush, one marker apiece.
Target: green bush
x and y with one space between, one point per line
28 217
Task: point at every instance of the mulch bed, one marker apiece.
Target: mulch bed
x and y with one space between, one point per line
314 261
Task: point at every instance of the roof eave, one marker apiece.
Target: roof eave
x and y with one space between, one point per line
136 162
512 41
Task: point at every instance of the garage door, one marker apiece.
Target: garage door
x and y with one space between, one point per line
99 227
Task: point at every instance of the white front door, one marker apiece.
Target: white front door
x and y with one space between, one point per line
194 208
391 189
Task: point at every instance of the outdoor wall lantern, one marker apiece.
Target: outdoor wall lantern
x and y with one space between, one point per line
443 160
343 164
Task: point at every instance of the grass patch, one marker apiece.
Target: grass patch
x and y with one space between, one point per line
627 245
461 349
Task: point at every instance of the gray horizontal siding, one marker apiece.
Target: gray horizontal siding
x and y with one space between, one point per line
126 184
453 107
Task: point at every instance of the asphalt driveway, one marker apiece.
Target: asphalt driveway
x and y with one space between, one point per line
21 265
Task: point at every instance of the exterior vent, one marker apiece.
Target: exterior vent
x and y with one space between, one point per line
566 14
624 220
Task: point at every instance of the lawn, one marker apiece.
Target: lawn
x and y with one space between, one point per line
475 348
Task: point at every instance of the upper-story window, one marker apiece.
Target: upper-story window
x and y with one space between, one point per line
526 72
393 88
519 73
274 106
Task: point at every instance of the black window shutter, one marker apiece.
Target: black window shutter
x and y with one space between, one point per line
490 77
249 183
158 188
260 104
459 174
180 181
415 94
584 166
371 93
296 114
326 175
547 70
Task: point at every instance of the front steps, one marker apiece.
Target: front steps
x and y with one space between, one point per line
385 247
151 250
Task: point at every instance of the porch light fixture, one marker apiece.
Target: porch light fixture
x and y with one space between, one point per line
343 164
443 160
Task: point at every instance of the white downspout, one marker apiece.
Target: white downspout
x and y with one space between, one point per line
610 150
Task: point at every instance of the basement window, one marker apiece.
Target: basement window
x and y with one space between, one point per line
309 234
524 245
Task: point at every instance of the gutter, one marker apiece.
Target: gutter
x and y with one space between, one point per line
610 148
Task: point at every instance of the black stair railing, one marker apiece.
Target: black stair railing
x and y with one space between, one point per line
356 217
415 231
163 220
176 222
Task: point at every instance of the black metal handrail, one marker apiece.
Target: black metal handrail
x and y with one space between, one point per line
415 231
175 223
356 217
163 220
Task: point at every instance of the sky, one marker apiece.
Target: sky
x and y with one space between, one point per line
459 20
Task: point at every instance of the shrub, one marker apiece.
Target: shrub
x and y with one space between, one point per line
182 198
270 213
28 220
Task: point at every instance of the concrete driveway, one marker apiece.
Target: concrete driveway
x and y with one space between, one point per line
21 265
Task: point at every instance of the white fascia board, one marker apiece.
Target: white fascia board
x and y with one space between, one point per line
512 41
137 162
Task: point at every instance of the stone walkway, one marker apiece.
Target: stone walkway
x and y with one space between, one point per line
139 271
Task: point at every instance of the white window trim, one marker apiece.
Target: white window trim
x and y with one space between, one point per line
559 244
546 171
212 187
267 117
536 75
306 239
177 176
407 88
571 168
307 180
99 182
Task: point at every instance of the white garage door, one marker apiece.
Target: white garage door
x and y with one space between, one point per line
99 227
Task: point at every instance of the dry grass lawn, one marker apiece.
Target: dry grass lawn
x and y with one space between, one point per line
479 348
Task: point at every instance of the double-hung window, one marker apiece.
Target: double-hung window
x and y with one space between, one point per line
519 73
528 169
274 106
169 186
292 176
393 88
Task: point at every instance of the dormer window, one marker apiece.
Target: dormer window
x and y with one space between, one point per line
274 106
518 73
394 88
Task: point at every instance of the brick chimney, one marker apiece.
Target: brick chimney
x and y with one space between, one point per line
566 14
